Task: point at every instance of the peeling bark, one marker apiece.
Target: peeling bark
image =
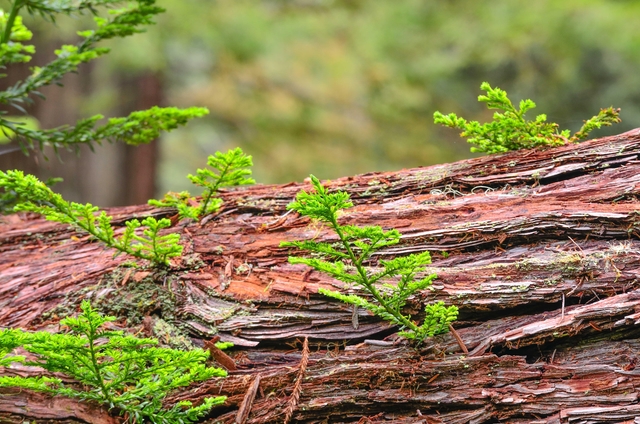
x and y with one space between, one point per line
15 405
540 250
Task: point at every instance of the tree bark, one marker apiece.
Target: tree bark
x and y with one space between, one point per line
539 249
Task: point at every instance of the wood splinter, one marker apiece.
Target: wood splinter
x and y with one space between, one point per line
218 355
458 339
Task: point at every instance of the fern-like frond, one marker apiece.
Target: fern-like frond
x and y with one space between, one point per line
228 169
510 130
113 368
35 196
344 261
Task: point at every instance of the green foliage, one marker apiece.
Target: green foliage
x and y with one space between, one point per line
13 51
224 345
35 196
139 127
346 261
9 198
125 373
604 118
511 131
233 169
28 122
187 205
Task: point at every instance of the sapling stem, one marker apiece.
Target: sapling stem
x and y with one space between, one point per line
329 258
15 8
209 194
365 280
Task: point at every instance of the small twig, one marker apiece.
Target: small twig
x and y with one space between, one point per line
579 282
220 357
458 339
562 316
247 402
575 289
553 355
297 388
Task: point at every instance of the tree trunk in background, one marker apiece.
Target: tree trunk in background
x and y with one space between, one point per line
141 162
540 250
118 174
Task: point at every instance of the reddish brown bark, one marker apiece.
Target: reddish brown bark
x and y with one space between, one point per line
15 405
539 249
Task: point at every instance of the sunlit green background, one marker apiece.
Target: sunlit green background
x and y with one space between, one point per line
339 87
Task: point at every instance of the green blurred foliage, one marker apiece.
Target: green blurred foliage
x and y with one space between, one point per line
28 122
338 87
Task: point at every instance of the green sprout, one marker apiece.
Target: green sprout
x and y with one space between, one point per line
35 196
127 374
346 261
511 131
229 169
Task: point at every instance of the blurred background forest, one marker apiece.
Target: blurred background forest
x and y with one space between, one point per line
330 87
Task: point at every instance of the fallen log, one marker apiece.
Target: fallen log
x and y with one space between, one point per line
539 249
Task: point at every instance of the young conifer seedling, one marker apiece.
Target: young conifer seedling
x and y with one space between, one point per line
229 169
511 131
35 196
349 260
129 375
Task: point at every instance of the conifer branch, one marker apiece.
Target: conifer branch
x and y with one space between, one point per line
33 195
139 127
227 169
511 131
123 372
347 263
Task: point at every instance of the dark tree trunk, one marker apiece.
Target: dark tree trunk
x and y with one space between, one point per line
539 249
141 162
117 174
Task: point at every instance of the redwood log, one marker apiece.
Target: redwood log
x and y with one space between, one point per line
539 249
